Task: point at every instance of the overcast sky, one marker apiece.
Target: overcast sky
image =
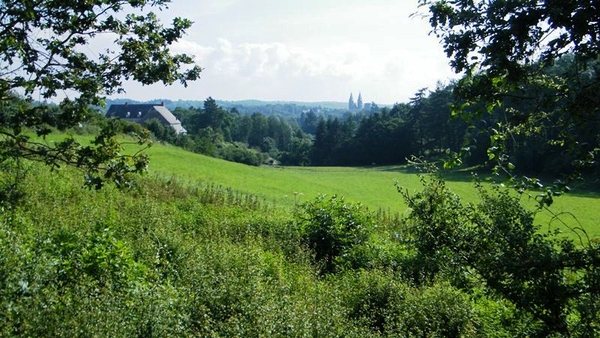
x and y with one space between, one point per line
308 50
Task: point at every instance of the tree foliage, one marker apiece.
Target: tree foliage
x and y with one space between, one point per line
240 137
507 37
45 55
506 50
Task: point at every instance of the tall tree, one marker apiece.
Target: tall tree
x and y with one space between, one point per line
321 151
44 52
259 130
241 129
417 105
216 118
504 48
309 121
381 138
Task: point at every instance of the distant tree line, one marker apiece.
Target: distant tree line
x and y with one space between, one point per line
252 139
424 127
283 109
389 136
428 126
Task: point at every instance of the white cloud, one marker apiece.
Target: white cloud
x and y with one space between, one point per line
308 51
260 70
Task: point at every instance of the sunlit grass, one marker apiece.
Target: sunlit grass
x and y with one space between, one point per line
375 187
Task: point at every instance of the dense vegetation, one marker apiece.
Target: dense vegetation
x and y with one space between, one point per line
172 259
154 256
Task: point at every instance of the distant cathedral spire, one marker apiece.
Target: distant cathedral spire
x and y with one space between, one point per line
351 104
359 102
359 105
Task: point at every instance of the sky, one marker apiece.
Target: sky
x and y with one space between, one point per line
309 50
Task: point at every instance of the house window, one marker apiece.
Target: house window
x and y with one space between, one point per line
127 115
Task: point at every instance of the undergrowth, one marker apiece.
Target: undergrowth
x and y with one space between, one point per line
169 258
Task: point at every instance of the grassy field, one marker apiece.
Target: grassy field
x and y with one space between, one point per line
163 261
373 186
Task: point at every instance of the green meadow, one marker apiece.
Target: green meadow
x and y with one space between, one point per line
375 187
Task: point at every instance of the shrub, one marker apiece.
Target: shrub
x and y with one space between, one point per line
100 255
331 228
390 307
439 310
496 241
436 229
240 154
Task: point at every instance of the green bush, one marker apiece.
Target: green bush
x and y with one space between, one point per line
436 311
436 229
548 277
379 251
241 154
100 255
331 228
379 300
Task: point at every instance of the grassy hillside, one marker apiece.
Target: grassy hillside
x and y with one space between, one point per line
373 187
168 260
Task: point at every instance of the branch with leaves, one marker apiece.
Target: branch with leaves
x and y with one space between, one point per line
536 63
44 53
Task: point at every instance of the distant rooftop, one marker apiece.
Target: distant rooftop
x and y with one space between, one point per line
140 113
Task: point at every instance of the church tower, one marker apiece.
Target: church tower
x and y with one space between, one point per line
359 102
351 104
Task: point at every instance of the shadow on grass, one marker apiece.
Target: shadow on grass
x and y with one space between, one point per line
460 175
468 175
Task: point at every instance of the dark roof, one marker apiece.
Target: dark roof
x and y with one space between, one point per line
134 110
141 112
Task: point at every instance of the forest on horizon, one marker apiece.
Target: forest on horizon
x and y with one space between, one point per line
426 127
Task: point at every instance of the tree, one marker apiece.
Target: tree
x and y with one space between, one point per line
309 121
241 129
416 104
258 131
44 53
160 131
505 49
330 139
381 138
506 37
509 52
299 151
215 117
